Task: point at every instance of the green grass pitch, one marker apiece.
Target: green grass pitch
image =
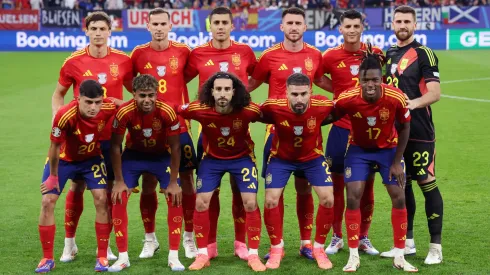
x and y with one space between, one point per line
463 172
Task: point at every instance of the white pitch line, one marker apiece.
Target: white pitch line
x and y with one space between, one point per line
465 80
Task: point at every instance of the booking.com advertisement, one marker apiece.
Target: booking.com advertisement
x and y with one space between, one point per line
258 41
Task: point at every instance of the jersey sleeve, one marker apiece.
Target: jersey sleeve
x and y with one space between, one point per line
252 61
191 67
66 74
261 71
402 113
187 111
134 58
428 64
319 71
171 120
254 113
326 62
128 69
61 126
339 108
267 112
120 122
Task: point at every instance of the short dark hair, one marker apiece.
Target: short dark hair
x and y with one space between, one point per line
156 11
405 10
240 99
91 89
221 10
298 79
98 16
293 10
144 82
351 14
371 60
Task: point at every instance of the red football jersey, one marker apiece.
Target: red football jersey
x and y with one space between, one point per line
167 67
276 64
343 68
224 136
79 137
373 124
110 71
206 60
297 137
146 132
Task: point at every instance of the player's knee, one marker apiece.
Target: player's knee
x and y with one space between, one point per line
271 202
48 203
398 201
353 201
100 201
326 201
202 204
249 205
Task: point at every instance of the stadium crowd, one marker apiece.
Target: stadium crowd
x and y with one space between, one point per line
232 4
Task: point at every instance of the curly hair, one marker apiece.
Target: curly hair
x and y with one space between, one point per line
241 98
144 82
371 60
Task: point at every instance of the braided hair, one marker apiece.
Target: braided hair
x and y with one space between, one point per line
371 60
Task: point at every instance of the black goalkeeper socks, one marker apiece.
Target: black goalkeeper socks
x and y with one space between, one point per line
410 205
433 210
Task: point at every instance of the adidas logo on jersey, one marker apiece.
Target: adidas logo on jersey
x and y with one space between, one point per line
176 231
87 73
252 186
148 66
209 63
357 115
341 65
285 123
137 127
283 67
329 179
211 125
421 172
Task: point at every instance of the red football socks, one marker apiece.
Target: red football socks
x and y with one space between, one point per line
109 209
201 228
239 217
324 219
367 207
253 224
214 209
73 211
102 232
272 220
339 203
148 209
174 221
46 236
399 224
188 204
120 223
281 211
352 221
305 211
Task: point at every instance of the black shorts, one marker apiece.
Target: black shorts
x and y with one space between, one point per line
420 160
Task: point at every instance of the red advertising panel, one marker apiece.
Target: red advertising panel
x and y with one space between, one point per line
137 19
19 20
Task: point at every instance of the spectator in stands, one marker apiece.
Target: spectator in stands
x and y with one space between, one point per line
114 5
273 6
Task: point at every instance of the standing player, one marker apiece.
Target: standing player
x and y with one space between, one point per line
113 70
413 68
75 153
225 111
297 147
165 60
151 124
275 65
342 64
374 108
222 54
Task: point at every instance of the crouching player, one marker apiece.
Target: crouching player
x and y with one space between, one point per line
151 124
374 108
75 152
225 112
297 120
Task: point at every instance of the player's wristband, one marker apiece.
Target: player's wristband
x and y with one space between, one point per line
51 182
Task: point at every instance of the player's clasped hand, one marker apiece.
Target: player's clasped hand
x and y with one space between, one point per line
396 170
175 193
117 191
49 184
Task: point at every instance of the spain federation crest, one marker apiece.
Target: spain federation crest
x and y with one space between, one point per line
384 114
89 137
298 130
174 63
354 69
225 131
348 172
268 179
101 126
156 124
308 64
199 183
235 59
311 123
371 120
147 132
102 78
403 64
161 70
237 124
114 70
